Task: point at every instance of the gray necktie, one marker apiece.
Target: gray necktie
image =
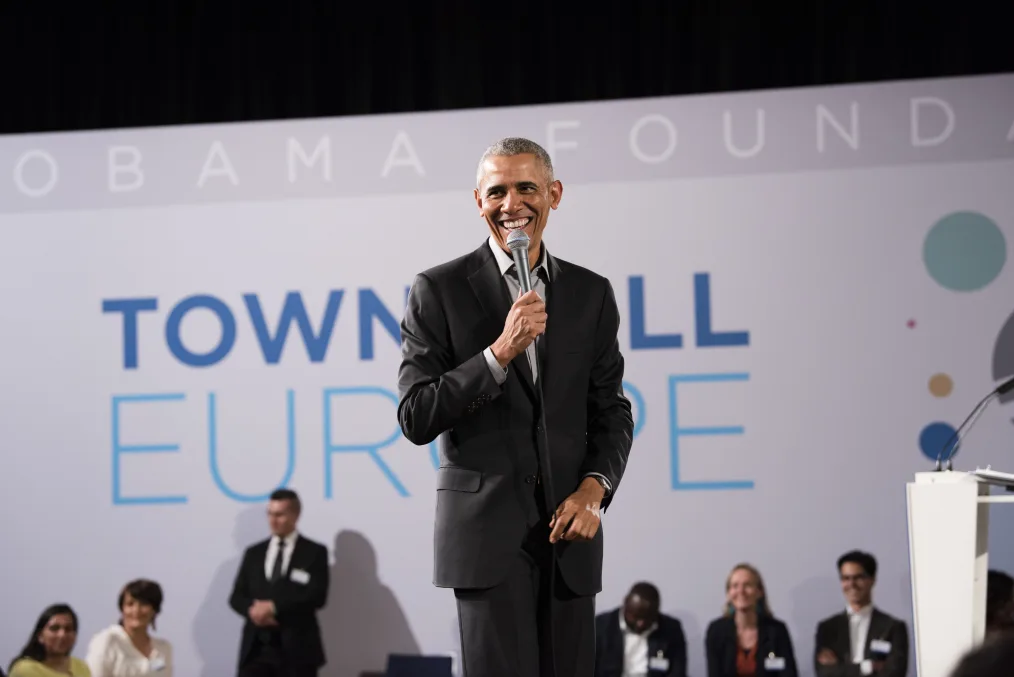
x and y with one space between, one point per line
538 284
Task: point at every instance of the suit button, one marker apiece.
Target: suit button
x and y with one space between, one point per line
530 479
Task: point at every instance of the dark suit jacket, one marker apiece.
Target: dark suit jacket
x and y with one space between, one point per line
772 638
493 437
296 604
833 633
667 641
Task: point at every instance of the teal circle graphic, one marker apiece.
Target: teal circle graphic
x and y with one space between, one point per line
964 251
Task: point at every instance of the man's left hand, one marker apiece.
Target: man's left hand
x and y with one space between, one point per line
827 657
577 518
262 613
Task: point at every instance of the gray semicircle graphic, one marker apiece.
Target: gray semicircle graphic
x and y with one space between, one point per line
1003 356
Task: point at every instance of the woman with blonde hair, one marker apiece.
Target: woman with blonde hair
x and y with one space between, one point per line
747 640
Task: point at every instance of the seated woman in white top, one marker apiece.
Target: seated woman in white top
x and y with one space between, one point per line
127 649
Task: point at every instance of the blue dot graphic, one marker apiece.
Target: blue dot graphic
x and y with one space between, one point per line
964 251
933 438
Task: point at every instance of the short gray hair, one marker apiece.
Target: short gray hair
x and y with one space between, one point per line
515 145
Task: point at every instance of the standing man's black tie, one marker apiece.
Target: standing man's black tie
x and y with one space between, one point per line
276 570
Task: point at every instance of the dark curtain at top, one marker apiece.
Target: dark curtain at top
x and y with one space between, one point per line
166 62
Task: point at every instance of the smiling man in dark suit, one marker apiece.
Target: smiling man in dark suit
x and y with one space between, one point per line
862 640
281 584
525 394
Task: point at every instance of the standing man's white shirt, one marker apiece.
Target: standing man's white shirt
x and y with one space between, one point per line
273 546
635 650
112 654
859 629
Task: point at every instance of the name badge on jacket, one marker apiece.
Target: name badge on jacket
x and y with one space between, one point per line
157 663
299 576
880 646
659 662
773 662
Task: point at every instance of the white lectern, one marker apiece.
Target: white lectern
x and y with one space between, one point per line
948 523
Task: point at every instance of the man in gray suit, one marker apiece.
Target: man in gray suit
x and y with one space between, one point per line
525 395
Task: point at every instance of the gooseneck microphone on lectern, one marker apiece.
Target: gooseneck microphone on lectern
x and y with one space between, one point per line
969 421
517 242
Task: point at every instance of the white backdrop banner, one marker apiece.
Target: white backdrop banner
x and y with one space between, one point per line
814 284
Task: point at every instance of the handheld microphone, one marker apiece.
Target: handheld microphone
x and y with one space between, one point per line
969 421
517 242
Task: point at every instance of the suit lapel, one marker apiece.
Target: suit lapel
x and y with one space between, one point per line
296 561
765 642
878 629
560 309
656 647
492 294
765 646
844 638
260 562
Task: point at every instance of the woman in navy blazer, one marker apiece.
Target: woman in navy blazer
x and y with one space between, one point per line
747 641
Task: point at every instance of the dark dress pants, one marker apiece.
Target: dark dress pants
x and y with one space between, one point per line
269 660
531 624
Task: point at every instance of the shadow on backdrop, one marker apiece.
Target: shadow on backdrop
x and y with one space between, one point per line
695 639
362 622
812 601
217 628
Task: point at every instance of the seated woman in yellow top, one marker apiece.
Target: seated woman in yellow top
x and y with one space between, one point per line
47 653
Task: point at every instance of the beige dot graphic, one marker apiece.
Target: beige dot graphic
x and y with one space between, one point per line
941 385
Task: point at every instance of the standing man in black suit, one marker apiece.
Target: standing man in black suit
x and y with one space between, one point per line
637 640
862 640
281 584
525 394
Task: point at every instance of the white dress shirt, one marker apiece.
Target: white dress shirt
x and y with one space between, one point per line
859 628
112 654
269 561
635 650
506 262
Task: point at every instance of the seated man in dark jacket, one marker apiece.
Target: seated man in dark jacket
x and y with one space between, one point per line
861 640
637 641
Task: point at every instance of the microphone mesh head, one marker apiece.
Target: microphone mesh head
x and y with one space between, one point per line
517 239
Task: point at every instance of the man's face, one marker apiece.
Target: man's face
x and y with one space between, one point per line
638 613
282 517
515 192
856 585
